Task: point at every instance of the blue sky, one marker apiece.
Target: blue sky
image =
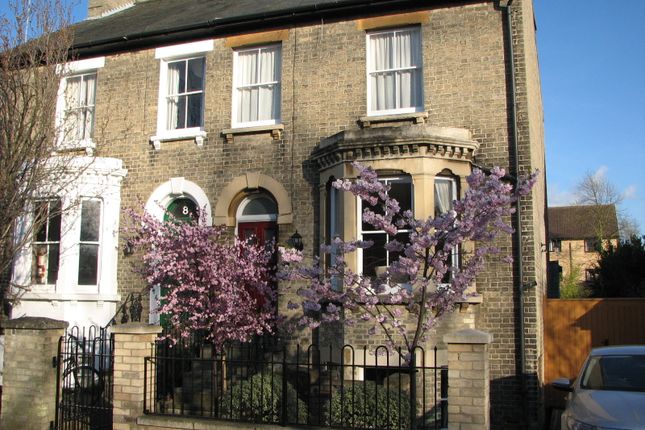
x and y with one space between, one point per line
592 64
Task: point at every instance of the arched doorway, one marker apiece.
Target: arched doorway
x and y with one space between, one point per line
257 217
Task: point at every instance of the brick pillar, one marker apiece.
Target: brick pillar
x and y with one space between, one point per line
468 379
132 343
29 390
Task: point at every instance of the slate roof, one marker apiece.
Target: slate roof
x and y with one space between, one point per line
581 222
152 22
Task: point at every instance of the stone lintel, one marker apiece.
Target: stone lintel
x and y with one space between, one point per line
35 323
136 328
468 336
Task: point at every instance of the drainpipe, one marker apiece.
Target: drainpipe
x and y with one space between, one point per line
506 4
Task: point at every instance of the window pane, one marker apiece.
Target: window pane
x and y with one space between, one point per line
88 264
194 110
176 77
443 195
54 221
52 263
260 206
182 209
72 92
247 62
195 74
90 220
381 50
376 255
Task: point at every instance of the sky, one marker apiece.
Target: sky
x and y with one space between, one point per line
592 66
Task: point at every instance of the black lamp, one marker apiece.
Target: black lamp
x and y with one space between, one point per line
296 241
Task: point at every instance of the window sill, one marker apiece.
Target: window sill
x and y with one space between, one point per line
276 131
415 117
68 297
198 135
87 145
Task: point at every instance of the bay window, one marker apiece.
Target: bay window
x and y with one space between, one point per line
89 242
256 82
445 193
394 69
373 260
46 243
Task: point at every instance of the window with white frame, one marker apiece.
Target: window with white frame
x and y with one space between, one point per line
89 242
373 260
394 69
256 86
445 193
79 97
184 98
46 242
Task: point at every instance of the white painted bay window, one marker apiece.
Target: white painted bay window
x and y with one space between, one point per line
394 69
256 92
46 243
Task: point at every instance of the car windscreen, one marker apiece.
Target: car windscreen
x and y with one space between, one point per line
615 372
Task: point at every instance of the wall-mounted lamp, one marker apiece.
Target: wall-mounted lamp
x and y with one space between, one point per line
296 241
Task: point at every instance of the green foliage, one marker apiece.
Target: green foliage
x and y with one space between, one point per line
571 287
259 399
621 270
370 406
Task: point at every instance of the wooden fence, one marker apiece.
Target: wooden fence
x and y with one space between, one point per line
573 327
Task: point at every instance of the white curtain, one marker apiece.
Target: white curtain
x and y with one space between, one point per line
382 83
72 102
258 90
172 110
443 196
89 87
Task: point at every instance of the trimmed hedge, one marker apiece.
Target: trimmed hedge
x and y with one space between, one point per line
370 406
259 399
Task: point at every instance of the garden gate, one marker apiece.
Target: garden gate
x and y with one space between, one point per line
84 370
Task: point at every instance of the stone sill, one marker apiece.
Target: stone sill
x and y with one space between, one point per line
70 297
197 135
415 117
276 131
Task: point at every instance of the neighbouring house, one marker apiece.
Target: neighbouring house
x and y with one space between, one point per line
249 110
576 235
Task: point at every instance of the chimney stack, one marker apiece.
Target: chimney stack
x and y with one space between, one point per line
96 8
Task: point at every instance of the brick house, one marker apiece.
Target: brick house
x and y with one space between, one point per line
250 109
576 234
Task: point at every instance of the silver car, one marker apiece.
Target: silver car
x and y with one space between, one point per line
609 392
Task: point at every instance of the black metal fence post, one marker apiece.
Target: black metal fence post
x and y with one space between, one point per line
444 397
283 419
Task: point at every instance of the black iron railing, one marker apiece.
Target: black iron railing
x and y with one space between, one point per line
329 387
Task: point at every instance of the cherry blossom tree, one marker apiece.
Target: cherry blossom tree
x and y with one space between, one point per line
421 286
212 283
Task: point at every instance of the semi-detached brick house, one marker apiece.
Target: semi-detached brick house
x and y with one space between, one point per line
250 108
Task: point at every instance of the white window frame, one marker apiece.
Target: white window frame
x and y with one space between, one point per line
359 220
83 242
419 68
69 70
167 55
276 84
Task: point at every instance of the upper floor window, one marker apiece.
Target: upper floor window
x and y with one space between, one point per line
46 244
185 93
376 258
79 100
592 245
394 68
256 82
555 245
182 83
